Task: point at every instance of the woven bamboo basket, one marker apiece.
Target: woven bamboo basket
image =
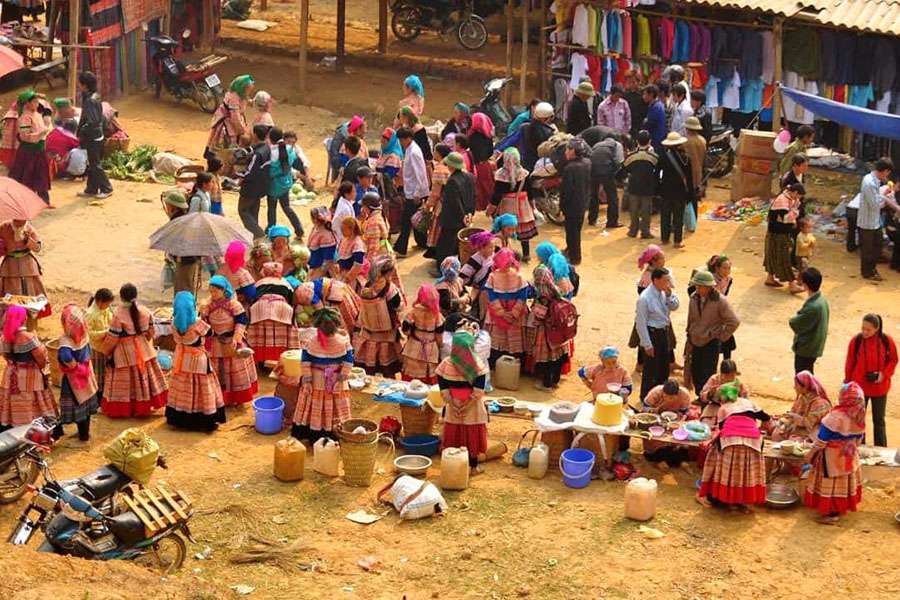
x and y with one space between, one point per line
53 359
345 431
359 462
465 247
557 441
111 145
417 421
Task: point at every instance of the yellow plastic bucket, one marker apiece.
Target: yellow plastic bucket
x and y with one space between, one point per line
290 363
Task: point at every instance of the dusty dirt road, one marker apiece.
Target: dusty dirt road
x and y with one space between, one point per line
507 536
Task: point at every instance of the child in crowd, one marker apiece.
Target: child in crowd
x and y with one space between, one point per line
78 397
98 316
343 206
214 167
424 328
322 243
806 243
290 138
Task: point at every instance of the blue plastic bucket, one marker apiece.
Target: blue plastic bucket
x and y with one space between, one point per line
269 414
576 465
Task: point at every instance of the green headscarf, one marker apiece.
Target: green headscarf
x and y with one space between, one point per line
24 98
729 392
62 103
462 107
409 114
327 319
462 355
240 84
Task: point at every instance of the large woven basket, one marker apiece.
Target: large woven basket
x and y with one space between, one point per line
465 247
417 421
345 431
557 441
358 451
53 356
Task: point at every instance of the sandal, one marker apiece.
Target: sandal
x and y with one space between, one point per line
775 284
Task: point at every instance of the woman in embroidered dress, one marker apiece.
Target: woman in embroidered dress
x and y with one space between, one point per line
607 376
475 272
547 359
235 271
413 95
835 480
228 122
10 135
720 266
782 223
808 410
462 377
271 329
351 252
452 294
377 345
439 177
79 394
709 395
228 320
24 390
322 243
195 399
20 271
481 145
374 227
507 294
511 197
134 385
734 473
98 317
424 329
32 166
336 294
324 400
280 238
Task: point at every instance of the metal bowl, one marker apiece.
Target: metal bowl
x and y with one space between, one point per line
412 464
780 496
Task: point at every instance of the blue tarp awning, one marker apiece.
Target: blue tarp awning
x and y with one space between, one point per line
854 117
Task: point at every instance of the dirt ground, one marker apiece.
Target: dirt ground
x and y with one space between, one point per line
507 536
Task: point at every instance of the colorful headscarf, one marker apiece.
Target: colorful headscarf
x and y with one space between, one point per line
354 124
482 124
393 146
811 383
545 250
26 97
13 321
321 213
62 102
235 255
609 352
429 298
300 253
544 285
481 239
271 269
223 284
849 416
511 172
185 311
73 322
505 259
449 269
647 256
729 392
505 220
409 114
240 84
463 357
278 231
462 107
261 251
716 261
559 266
324 318
415 84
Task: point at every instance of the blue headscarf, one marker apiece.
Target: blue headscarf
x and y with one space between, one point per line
545 250
318 290
220 282
449 269
393 147
292 281
185 310
415 84
505 220
279 231
609 352
559 265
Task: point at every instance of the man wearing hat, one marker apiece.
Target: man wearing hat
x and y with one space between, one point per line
535 133
695 148
457 203
579 112
676 188
711 321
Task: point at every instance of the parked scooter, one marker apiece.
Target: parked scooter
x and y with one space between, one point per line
22 451
412 17
546 198
491 105
194 81
720 151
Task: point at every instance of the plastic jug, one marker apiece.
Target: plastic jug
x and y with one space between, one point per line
454 469
290 458
538 460
506 373
326 457
640 499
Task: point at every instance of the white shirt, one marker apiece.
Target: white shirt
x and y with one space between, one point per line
680 115
343 210
580 33
415 176
731 97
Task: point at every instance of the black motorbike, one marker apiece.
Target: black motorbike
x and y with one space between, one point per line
412 17
492 105
720 152
22 452
186 81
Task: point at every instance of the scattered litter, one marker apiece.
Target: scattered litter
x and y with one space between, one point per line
604 233
776 378
146 200
197 571
214 456
347 589
97 203
552 562
363 517
279 519
236 486
207 552
243 589
370 564
255 25
650 532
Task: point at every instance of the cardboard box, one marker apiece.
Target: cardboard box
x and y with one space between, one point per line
755 165
749 185
757 144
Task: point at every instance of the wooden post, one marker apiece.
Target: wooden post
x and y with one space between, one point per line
382 26
263 4
523 76
341 32
509 49
542 52
51 25
304 42
74 31
777 33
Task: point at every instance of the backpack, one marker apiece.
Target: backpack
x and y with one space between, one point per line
562 321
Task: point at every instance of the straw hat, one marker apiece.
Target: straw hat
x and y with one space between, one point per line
693 124
585 88
674 139
544 110
455 161
703 278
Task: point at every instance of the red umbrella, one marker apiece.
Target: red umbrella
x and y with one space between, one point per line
17 202
10 61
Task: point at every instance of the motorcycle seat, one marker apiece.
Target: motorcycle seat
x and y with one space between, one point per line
103 482
10 442
127 527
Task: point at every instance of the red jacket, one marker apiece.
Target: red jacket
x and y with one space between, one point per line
871 355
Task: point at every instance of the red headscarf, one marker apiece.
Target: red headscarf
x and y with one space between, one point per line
15 318
73 323
809 381
505 259
235 255
482 124
849 416
647 256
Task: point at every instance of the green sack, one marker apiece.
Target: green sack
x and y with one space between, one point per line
134 453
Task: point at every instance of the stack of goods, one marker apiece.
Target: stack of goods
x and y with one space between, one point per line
746 210
753 173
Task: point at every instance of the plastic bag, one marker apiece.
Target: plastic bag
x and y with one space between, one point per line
690 218
134 453
77 162
167 163
414 498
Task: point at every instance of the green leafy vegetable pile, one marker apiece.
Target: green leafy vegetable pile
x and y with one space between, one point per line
131 166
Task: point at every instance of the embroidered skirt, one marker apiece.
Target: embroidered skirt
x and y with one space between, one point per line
830 495
131 392
376 354
31 168
420 359
472 437
735 475
320 410
511 339
195 402
238 379
24 407
69 409
270 338
778 256
519 205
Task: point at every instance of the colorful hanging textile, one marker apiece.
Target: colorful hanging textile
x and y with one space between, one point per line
105 21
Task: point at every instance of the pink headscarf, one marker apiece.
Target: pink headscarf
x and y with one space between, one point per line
15 317
809 381
235 255
271 269
366 267
355 123
647 256
481 239
849 416
505 259
482 124
429 298
73 322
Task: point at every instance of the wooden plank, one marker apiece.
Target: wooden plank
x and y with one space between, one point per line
148 523
139 498
304 43
523 75
165 510
382 26
123 61
340 38
165 493
74 31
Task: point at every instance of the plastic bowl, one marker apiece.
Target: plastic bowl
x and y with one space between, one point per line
412 464
669 416
425 445
680 434
657 431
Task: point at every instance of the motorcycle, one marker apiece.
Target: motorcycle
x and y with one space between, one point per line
491 105
22 451
720 152
194 81
83 518
412 17
546 198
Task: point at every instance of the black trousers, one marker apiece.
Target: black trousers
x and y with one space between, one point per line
608 183
704 363
879 407
97 181
671 219
574 223
285 202
656 367
852 244
894 235
551 371
804 363
410 206
248 211
869 250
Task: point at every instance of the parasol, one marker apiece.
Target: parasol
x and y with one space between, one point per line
198 234
10 61
17 202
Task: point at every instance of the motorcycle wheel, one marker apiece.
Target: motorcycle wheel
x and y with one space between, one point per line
166 556
405 23
725 165
205 97
549 205
14 488
471 33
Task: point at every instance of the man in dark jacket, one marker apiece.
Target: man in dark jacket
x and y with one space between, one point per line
255 182
606 160
574 195
642 183
676 188
636 104
579 115
457 203
90 136
698 105
536 133
655 121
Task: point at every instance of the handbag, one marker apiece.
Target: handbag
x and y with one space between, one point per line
690 218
